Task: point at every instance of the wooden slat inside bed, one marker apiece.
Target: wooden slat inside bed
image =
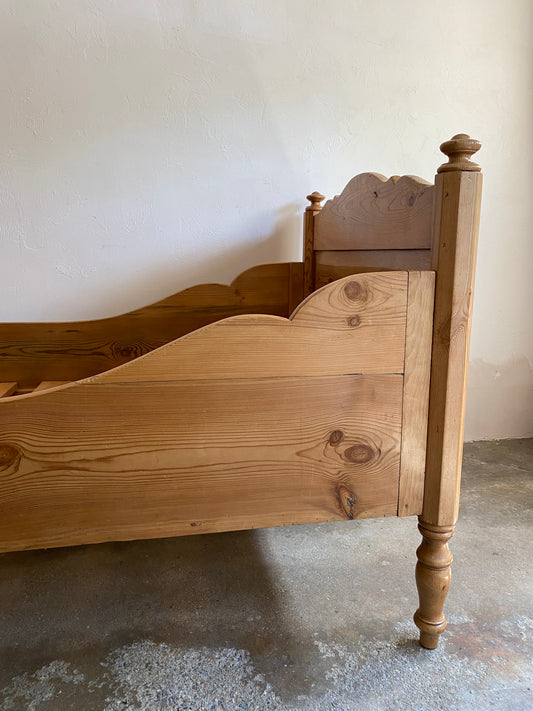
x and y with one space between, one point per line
7 389
47 384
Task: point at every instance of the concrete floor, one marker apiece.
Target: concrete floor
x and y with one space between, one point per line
307 617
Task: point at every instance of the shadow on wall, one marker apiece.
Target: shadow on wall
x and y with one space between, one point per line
500 400
139 142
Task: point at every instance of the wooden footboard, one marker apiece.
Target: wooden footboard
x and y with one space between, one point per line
249 422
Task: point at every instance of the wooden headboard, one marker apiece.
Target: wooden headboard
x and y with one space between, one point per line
375 224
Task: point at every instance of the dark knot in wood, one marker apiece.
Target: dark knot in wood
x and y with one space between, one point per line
9 457
121 352
347 500
336 437
354 321
359 454
353 291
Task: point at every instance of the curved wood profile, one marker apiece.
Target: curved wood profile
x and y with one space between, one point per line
34 352
375 213
356 325
251 421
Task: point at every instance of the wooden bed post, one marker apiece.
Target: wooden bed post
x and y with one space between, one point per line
309 241
457 205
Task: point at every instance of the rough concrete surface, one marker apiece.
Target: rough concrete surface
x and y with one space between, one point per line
307 617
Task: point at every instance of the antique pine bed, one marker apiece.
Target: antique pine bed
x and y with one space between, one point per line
216 409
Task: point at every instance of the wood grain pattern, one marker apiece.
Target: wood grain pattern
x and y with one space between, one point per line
375 213
355 325
332 265
98 462
36 352
455 248
418 340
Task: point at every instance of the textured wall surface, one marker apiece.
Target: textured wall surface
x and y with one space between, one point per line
150 144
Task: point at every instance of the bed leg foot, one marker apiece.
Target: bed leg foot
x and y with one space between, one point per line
433 581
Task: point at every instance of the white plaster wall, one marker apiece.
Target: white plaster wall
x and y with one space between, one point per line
147 145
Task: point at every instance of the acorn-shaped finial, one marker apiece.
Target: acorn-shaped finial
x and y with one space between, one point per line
459 150
315 199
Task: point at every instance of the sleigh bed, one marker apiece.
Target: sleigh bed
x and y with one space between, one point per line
330 389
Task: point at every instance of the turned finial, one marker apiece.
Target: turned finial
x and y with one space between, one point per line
315 199
459 150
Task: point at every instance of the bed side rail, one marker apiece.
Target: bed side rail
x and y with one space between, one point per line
31 353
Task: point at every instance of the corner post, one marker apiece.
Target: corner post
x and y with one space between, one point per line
456 212
309 241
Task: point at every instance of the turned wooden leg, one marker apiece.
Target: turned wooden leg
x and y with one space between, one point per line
433 581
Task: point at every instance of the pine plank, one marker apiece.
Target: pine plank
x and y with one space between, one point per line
126 461
355 325
454 253
416 391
